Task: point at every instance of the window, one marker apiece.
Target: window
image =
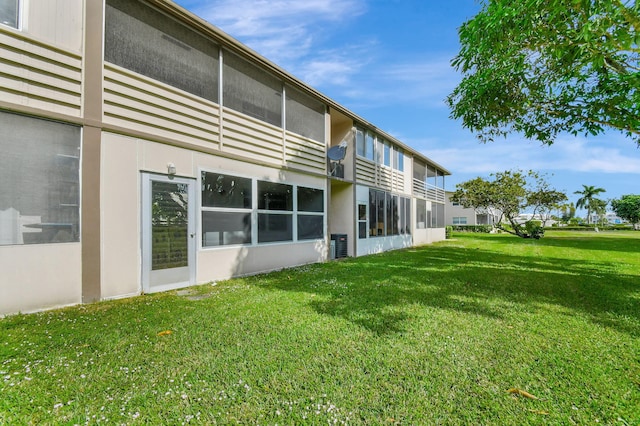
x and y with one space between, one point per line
251 90
39 181
360 142
362 221
310 213
9 13
305 116
392 214
275 218
369 147
142 39
459 220
421 214
387 154
437 216
398 159
226 210
376 213
388 215
233 206
405 216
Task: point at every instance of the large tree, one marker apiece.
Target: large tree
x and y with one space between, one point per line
542 67
509 194
588 199
628 208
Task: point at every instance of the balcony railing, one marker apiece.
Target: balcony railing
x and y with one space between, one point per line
428 191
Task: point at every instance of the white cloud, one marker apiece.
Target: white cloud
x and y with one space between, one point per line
594 155
281 30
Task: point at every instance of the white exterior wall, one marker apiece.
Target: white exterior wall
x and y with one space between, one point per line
124 158
39 276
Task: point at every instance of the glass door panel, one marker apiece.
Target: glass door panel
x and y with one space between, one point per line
168 232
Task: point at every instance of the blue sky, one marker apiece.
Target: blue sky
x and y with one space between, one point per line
389 62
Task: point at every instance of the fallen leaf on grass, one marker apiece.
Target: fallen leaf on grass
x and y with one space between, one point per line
521 393
165 333
544 413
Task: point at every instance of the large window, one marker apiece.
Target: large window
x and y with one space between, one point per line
461 220
39 181
376 213
9 12
144 40
226 209
233 207
437 215
275 212
250 90
310 213
388 214
305 116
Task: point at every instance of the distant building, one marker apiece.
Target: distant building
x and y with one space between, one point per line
457 214
609 218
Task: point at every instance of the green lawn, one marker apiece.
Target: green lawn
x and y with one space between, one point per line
437 334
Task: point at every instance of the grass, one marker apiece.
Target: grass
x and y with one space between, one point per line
436 334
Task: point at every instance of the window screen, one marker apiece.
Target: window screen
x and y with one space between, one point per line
39 181
144 40
305 116
9 10
251 90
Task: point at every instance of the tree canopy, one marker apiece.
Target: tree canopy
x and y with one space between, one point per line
628 208
543 67
509 194
589 200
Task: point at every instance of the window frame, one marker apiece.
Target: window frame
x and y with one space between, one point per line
294 215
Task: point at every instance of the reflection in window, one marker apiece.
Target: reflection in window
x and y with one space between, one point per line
141 39
274 227
39 181
219 190
275 196
310 200
310 227
226 209
225 228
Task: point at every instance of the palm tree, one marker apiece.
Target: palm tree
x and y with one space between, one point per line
588 195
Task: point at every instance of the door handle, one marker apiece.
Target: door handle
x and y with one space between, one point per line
193 234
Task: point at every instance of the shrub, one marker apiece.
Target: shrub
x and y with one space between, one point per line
447 232
483 229
534 229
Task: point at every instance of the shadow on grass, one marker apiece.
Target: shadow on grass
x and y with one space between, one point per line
376 292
